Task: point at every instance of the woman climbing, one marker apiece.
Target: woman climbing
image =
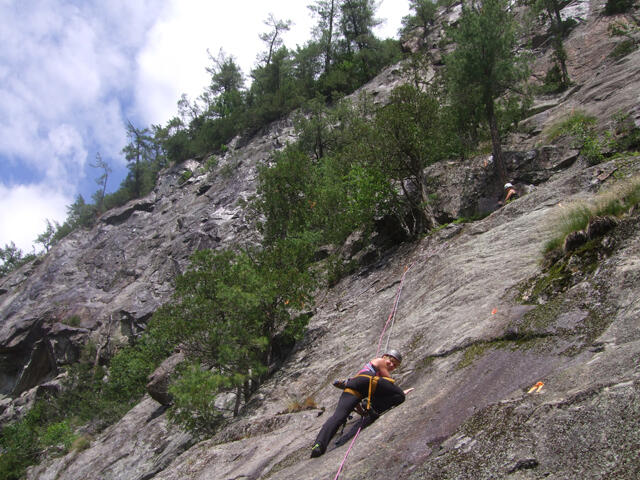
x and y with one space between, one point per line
373 383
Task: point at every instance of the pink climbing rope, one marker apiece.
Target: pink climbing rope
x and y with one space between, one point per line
348 450
392 315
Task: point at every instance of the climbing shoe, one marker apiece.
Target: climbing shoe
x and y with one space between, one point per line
341 384
316 450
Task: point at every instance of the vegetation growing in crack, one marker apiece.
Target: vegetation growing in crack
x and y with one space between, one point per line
573 284
88 402
523 339
615 202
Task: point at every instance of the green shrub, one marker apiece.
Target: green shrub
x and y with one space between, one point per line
19 445
59 433
212 162
582 128
194 394
186 175
578 120
553 81
73 321
590 146
624 48
626 134
12 258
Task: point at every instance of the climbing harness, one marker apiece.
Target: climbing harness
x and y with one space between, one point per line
372 387
373 384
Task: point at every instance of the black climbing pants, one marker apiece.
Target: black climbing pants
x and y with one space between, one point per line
386 395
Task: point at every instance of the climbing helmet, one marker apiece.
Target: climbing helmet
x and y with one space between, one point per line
395 354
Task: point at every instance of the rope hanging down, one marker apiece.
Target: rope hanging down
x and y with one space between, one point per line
392 317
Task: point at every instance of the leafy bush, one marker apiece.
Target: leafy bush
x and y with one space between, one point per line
582 128
553 81
186 175
627 134
12 258
129 370
19 445
624 48
58 434
576 120
194 395
73 321
211 163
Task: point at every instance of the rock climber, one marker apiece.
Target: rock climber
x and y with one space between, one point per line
510 193
373 383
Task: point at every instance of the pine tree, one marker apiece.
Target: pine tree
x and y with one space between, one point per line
558 32
98 197
12 258
485 66
273 38
357 21
328 14
136 153
47 238
423 17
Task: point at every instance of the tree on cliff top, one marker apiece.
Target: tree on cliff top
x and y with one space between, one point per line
328 14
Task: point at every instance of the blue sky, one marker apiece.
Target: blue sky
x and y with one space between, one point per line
72 73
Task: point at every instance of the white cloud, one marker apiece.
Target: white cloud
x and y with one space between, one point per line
61 63
66 72
68 152
24 212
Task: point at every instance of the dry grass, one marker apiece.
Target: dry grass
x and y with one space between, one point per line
298 405
615 201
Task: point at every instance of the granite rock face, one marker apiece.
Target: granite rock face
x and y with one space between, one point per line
160 379
475 340
479 321
106 283
138 447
